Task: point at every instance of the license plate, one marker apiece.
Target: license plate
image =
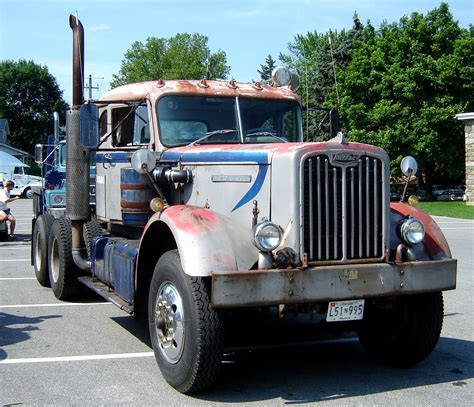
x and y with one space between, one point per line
345 310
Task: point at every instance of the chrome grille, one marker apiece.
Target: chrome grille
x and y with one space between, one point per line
342 209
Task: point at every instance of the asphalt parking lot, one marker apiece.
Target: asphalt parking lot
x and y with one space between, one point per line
91 353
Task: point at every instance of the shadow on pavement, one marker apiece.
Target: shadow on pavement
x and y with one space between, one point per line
327 371
15 329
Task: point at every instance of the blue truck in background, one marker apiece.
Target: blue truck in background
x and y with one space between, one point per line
49 200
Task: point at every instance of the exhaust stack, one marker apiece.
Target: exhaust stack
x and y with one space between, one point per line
77 62
77 157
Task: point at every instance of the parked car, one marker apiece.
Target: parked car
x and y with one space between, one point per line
451 195
421 194
394 195
437 190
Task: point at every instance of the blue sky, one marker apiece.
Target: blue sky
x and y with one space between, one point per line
247 30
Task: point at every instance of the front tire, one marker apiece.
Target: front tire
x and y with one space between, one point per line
186 332
39 243
405 334
62 269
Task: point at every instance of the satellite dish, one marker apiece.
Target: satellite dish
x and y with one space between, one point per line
143 161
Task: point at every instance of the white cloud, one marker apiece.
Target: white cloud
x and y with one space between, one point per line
100 27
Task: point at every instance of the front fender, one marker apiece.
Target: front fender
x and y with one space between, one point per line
207 241
435 243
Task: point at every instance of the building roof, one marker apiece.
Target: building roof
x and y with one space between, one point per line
465 116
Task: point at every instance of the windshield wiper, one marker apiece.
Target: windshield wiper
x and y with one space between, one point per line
209 134
266 133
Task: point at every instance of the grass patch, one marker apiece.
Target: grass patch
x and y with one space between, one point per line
450 209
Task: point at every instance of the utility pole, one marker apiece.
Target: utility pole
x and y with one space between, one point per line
90 87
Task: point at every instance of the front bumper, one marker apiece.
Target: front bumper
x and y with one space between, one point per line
327 283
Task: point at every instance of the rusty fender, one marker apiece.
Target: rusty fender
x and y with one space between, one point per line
207 241
327 283
435 243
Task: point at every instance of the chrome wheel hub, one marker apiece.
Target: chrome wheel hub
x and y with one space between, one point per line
169 322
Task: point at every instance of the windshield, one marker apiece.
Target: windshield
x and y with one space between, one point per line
187 120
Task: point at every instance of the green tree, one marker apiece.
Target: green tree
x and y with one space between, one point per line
403 86
183 56
316 57
29 95
266 69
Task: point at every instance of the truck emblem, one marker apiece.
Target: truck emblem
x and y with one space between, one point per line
231 178
344 158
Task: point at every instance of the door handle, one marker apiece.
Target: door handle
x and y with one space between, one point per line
106 157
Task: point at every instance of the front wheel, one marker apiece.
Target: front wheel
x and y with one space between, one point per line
186 332
407 332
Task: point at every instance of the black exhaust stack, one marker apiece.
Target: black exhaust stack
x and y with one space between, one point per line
77 157
77 62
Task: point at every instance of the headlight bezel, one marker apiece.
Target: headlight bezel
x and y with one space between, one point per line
263 232
411 231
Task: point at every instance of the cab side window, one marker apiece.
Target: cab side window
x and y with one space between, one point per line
103 124
122 123
130 126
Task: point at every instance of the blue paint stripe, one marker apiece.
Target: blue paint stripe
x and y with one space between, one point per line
116 157
258 157
255 188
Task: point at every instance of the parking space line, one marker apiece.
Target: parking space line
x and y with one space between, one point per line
11 260
77 358
16 278
458 228
55 304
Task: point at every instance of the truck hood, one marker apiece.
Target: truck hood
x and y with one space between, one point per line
260 154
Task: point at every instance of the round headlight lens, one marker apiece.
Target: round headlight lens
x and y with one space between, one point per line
267 236
58 199
412 231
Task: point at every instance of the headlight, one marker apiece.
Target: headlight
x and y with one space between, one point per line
266 236
412 231
58 199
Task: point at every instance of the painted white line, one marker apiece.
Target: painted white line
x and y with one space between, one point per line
10 260
58 304
77 358
16 248
16 278
458 228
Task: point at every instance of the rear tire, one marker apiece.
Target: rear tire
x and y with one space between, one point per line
39 244
62 270
406 334
186 332
91 229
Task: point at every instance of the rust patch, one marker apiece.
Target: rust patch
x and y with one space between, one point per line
192 219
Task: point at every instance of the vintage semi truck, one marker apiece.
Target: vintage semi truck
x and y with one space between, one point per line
214 206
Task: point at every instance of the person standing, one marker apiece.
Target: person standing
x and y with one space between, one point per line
5 213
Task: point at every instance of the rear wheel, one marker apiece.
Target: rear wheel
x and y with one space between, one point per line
62 270
27 193
406 333
91 229
39 242
186 332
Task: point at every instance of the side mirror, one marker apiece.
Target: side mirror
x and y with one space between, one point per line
143 161
89 126
39 154
409 166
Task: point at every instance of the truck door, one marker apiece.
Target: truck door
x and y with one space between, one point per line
129 130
